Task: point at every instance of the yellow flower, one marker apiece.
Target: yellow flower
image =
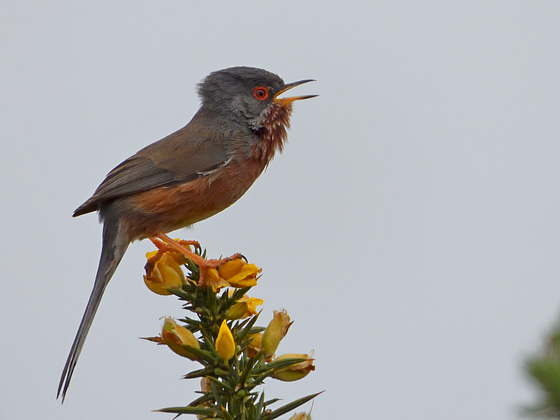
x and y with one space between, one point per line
296 371
178 338
239 274
212 279
225 344
244 308
275 332
163 271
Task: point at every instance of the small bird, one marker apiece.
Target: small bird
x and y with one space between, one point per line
188 176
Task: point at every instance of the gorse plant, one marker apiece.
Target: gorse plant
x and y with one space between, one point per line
220 333
544 370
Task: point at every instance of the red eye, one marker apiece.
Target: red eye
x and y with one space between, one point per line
260 92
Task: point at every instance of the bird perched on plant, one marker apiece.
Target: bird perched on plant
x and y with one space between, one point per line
189 175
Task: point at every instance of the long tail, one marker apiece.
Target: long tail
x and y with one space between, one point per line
115 243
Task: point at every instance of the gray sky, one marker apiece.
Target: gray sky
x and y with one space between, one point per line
410 228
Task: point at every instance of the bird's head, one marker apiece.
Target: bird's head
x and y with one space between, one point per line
249 95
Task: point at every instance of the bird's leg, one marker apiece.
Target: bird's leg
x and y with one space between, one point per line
181 247
171 245
196 244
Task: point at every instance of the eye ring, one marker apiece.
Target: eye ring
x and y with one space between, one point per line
260 92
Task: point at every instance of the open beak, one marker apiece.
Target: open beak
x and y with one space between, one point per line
289 100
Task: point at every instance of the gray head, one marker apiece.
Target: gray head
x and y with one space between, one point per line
245 93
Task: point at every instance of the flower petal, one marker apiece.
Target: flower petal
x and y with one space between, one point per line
225 344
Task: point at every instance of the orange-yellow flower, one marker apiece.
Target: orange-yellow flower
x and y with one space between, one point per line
225 344
178 338
164 273
296 371
301 416
212 279
244 308
275 332
239 274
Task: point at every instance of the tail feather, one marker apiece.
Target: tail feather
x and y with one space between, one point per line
115 243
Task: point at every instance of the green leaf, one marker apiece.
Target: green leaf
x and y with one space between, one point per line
201 400
266 369
207 411
272 401
222 384
238 294
289 407
277 364
247 329
207 371
261 404
180 293
201 354
547 374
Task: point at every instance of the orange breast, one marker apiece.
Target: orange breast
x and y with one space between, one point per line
165 209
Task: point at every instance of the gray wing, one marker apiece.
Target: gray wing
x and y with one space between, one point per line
180 157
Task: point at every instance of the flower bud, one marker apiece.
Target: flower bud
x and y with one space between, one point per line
164 273
244 308
239 274
296 371
225 344
178 338
275 331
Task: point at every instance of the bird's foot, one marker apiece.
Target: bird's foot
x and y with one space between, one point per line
164 243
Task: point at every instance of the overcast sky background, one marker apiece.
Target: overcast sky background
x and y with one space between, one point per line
411 228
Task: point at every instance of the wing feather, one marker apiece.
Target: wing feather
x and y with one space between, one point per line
180 157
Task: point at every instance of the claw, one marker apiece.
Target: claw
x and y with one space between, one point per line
165 243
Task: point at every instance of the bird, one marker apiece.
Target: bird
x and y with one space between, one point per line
188 176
